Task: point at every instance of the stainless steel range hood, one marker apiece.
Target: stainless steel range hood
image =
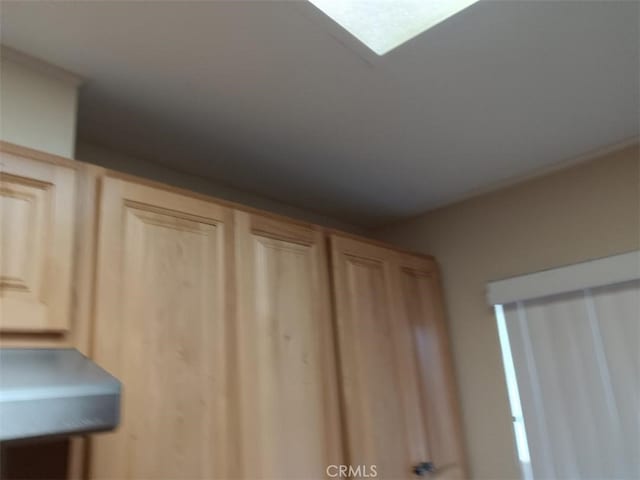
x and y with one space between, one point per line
53 392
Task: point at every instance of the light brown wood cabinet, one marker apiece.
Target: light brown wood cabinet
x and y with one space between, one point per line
249 345
422 306
289 402
400 406
162 288
36 243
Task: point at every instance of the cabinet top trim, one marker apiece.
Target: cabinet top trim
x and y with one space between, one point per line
26 152
377 243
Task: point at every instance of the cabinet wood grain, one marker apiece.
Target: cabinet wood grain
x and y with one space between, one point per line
422 300
161 305
243 351
289 405
400 405
385 425
36 243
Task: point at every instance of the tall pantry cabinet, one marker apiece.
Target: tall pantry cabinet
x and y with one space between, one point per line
161 312
399 400
290 423
249 345
422 306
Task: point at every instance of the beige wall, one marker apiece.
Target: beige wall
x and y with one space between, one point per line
98 155
37 104
588 211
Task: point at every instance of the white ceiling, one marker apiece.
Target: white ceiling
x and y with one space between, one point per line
273 97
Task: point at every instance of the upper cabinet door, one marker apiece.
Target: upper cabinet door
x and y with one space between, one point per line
422 303
36 243
289 413
161 308
384 415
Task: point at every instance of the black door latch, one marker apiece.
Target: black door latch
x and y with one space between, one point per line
424 468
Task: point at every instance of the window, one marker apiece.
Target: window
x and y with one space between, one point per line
514 396
570 339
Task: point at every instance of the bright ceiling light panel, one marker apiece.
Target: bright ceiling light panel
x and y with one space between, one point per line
382 25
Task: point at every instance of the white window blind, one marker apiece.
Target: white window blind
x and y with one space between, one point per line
572 361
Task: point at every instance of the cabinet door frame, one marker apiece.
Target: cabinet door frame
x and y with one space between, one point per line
248 226
360 447
442 377
116 195
41 302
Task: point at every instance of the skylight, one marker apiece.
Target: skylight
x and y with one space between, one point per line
382 25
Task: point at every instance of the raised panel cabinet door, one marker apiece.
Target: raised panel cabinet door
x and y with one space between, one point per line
36 244
423 306
161 309
289 415
385 425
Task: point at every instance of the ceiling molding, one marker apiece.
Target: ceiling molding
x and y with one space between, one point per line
544 171
520 179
